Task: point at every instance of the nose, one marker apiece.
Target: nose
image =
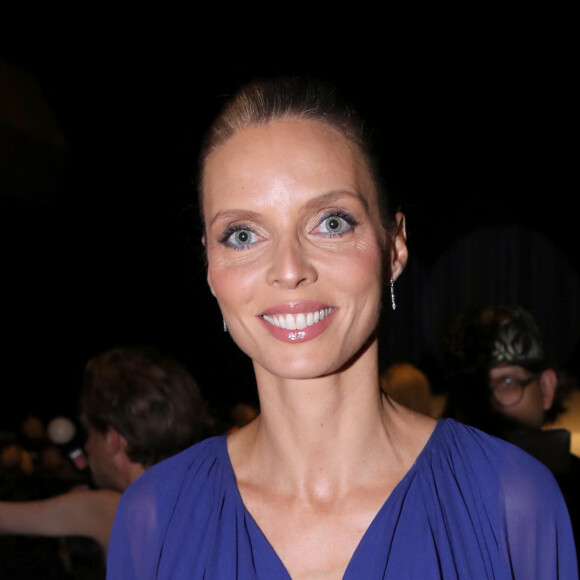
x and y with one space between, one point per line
291 266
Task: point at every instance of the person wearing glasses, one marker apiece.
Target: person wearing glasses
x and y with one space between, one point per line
499 379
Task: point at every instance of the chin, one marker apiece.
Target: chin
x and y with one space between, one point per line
297 369
305 364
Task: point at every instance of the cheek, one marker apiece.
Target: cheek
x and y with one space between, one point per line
359 275
367 264
536 399
90 448
233 285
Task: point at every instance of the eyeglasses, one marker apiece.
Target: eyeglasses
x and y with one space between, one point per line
509 390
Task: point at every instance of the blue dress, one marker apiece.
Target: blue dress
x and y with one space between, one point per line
471 507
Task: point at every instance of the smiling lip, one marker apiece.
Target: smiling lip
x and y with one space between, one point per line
297 322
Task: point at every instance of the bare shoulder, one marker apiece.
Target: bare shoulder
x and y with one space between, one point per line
102 496
98 501
94 513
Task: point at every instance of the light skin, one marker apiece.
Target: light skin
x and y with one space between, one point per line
110 465
537 397
292 225
87 513
78 513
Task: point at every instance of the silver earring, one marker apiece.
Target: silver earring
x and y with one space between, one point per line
225 325
393 294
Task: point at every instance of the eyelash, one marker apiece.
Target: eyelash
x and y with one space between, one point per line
346 217
227 235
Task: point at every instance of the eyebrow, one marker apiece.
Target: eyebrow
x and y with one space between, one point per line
324 199
235 214
336 195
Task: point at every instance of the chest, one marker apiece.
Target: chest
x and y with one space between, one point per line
315 539
425 529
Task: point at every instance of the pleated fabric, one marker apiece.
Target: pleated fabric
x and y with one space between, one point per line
471 507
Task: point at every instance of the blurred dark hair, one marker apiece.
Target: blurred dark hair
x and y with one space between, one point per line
476 341
148 397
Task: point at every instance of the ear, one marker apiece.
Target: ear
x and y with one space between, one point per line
399 252
203 241
548 384
209 283
116 443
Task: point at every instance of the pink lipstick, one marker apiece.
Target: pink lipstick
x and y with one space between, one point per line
297 322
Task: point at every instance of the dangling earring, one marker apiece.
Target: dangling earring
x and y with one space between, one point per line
225 325
393 294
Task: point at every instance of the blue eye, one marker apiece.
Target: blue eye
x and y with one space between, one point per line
242 237
336 224
238 238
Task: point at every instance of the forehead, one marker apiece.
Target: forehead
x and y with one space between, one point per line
506 369
290 155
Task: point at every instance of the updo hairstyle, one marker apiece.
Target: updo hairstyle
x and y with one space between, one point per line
295 98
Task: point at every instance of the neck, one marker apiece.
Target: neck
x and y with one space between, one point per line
321 429
130 472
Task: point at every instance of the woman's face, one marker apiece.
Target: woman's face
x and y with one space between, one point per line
294 244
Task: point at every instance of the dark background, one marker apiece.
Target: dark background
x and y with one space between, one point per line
99 125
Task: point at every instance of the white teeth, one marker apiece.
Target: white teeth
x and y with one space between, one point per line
301 321
298 321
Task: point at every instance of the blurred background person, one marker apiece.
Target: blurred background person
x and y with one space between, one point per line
138 407
498 379
409 386
241 414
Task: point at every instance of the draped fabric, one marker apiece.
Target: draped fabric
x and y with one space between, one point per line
471 507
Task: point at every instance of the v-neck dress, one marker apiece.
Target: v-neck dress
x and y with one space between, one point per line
471 507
